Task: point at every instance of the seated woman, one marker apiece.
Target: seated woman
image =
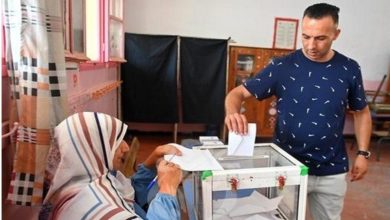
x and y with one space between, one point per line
82 184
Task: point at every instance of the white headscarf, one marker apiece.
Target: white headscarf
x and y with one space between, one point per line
81 185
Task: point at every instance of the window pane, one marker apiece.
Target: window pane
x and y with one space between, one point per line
116 8
116 38
78 26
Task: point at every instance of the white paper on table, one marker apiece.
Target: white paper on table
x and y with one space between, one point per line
208 138
194 159
256 203
212 143
242 145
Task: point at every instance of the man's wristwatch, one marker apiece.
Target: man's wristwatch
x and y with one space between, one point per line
366 154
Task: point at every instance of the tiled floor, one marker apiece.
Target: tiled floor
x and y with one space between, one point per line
366 199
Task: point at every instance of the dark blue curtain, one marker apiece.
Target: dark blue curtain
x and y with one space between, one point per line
203 79
149 89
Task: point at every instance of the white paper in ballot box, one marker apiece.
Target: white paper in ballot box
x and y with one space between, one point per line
254 206
242 145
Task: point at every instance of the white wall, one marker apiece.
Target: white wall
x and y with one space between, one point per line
365 32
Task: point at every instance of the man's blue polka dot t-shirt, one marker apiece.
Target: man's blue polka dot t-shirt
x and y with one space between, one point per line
312 99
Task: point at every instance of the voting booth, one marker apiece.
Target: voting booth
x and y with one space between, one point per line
271 184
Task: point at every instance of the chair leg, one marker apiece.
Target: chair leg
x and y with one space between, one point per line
378 144
377 151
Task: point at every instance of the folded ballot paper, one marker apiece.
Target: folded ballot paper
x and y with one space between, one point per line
194 159
242 145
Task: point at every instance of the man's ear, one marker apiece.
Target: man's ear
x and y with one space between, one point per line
337 34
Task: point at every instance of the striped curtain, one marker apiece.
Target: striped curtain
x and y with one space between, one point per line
36 67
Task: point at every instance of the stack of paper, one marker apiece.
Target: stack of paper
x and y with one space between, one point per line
210 141
194 159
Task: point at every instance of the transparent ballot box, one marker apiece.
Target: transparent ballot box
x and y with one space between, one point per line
271 184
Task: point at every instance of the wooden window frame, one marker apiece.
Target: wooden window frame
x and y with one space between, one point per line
111 6
70 53
98 23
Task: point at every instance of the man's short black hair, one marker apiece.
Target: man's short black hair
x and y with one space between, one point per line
321 10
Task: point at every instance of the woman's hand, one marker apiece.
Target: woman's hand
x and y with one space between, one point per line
159 153
169 177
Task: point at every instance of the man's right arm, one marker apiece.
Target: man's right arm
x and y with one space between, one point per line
234 120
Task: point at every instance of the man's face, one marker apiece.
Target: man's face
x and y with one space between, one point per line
317 38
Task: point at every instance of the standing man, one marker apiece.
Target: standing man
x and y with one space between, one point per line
314 86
